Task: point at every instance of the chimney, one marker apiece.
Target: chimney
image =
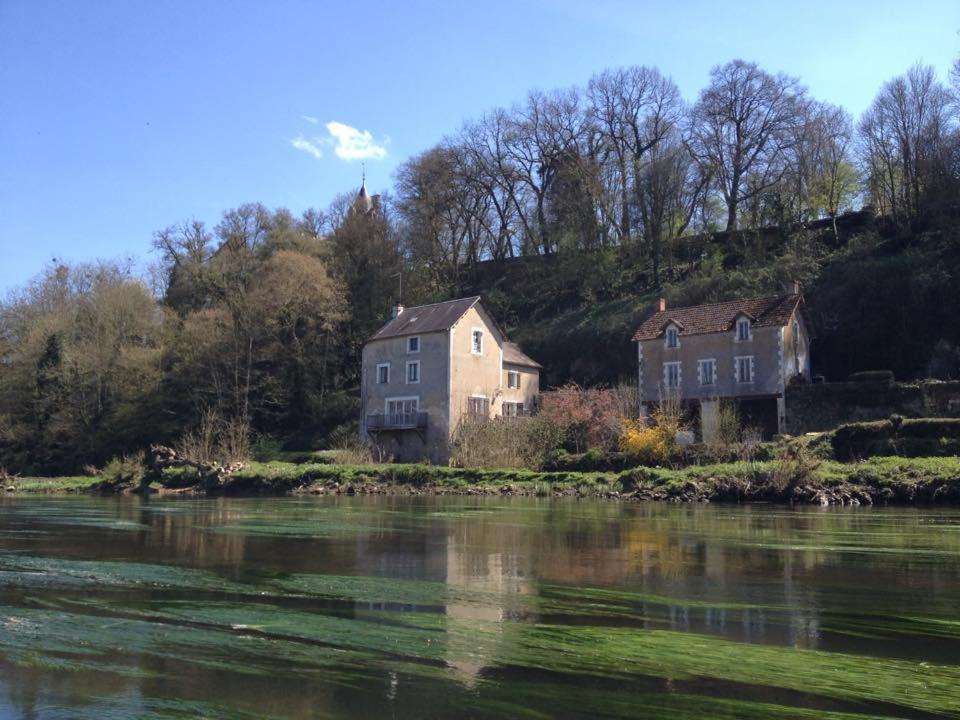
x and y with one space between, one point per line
397 311
662 305
795 287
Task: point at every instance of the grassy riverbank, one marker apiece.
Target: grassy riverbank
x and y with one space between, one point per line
877 480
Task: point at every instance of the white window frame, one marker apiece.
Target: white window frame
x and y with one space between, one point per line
409 340
666 375
415 399
473 347
736 370
478 397
517 406
700 365
736 335
383 365
511 374
675 332
407 376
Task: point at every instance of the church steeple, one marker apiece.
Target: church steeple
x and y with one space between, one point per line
364 202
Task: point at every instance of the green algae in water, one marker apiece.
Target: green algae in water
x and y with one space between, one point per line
415 608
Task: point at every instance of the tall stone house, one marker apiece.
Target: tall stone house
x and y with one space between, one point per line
742 350
430 367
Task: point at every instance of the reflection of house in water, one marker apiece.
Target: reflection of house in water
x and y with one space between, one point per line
481 571
671 579
194 541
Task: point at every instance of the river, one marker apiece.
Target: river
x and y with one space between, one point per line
433 607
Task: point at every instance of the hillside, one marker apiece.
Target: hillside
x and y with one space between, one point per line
878 296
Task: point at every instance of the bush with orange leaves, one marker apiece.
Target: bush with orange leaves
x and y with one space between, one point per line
589 417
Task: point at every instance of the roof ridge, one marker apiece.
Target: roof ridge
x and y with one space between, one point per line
781 296
443 302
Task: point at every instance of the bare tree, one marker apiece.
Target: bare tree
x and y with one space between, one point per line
483 147
539 137
670 189
834 182
904 135
741 129
634 109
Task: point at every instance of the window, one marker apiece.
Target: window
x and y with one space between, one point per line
413 344
707 372
400 411
477 341
673 337
413 372
478 406
512 409
383 373
743 369
671 374
513 379
743 329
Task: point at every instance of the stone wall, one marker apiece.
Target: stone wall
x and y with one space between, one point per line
824 406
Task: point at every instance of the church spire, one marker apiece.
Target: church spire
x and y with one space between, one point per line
364 204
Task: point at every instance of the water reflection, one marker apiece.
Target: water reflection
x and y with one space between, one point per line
304 607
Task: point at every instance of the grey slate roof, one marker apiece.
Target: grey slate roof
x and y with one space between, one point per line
426 318
513 355
442 316
719 317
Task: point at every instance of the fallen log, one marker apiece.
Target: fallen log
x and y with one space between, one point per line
209 473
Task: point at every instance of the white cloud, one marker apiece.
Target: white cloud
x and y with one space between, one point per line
308 146
349 143
310 119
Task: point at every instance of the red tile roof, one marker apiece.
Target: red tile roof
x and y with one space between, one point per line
720 317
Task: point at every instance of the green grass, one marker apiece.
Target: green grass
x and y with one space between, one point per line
54 484
883 479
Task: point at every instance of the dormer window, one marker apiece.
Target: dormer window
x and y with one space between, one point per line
743 330
673 337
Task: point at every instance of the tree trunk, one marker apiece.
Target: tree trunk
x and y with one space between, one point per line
731 215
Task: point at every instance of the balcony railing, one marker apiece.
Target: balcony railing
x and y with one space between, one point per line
397 421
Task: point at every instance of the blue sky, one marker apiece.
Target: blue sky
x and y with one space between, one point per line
118 118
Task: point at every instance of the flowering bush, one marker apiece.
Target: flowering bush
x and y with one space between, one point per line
590 418
647 443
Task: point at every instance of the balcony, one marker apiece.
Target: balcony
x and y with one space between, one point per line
397 421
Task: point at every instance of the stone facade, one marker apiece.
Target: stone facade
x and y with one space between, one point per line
704 367
455 377
824 406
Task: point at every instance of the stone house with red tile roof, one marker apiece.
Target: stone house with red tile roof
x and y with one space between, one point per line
743 350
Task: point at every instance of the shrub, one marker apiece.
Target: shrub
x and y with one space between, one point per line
125 470
352 451
796 465
649 444
216 440
591 461
587 417
266 448
930 428
505 443
863 439
729 424
897 436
